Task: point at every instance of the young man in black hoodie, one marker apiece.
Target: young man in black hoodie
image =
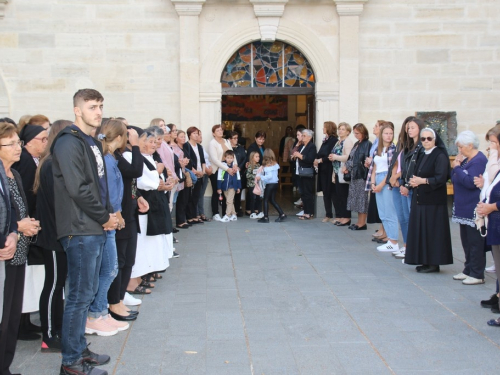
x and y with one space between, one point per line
83 213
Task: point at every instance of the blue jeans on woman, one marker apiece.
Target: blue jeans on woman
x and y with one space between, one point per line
402 210
386 209
84 255
108 272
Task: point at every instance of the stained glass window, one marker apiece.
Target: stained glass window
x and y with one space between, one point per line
268 64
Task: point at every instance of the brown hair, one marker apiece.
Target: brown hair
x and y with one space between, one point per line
23 121
55 129
86 95
495 131
191 130
384 125
215 127
362 129
331 128
260 134
250 160
110 131
179 132
269 157
233 133
156 121
7 130
38 120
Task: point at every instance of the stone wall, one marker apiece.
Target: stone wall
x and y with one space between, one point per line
431 55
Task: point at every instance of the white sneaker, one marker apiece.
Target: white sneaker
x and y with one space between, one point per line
460 276
401 249
490 269
389 246
233 218
294 188
472 281
298 203
216 217
401 254
130 300
253 216
260 215
300 213
225 219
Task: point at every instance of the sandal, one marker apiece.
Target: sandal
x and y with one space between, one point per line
305 217
204 218
156 275
149 278
146 284
139 290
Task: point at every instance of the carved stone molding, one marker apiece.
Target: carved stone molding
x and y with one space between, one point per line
350 7
188 7
3 3
268 12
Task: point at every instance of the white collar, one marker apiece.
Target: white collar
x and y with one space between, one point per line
427 152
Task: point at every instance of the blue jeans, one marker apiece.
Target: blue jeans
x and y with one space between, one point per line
84 255
108 272
386 209
402 211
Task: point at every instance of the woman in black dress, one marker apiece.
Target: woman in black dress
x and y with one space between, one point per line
429 211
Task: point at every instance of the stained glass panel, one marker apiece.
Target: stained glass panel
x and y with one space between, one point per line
268 64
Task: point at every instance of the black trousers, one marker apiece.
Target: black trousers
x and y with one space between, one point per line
181 205
270 196
237 201
330 199
475 257
12 308
341 192
51 299
126 249
215 196
254 202
194 197
307 194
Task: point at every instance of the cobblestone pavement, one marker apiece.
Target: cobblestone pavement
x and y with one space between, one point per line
297 298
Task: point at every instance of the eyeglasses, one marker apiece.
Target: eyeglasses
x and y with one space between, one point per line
19 143
423 139
43 139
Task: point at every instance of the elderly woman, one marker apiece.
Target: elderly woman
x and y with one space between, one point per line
468 164
13 262
429 211
338 157
358 197
325 170
304 168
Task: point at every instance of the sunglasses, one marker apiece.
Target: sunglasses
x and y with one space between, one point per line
423 139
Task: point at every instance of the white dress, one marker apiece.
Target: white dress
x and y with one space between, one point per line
153 252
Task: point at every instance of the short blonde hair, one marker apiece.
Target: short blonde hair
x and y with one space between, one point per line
346 126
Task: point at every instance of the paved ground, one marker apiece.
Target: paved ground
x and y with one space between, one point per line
297 298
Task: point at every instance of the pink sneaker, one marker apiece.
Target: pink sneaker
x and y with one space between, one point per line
120 326
99 327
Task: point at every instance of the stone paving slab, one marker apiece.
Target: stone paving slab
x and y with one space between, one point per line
297 298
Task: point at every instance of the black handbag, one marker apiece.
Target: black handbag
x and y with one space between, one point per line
347 176
306 172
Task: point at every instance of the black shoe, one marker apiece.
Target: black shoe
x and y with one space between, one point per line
183 226
175 255
427 269
95 359
345 224
263 220
495 309
175 240
123 318
51 344
355 227
175 230
281 218
239 214
81 367
28 336
489 303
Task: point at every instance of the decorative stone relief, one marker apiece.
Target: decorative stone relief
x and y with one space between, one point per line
3 3
188 7
350 7
269 12
445 125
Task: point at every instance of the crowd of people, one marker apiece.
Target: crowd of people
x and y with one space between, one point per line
87 208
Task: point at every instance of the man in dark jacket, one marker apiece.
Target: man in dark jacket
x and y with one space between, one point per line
83 213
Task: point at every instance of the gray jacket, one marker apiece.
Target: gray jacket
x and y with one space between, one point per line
78 207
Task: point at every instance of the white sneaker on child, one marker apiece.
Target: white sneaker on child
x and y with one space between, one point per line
260 215
225 219
233 218
216 217
253 216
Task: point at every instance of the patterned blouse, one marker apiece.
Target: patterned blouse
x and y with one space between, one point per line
24 242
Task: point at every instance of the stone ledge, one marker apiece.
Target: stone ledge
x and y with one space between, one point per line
188 7
3 4
350 7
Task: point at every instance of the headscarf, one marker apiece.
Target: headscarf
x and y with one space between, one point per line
29 132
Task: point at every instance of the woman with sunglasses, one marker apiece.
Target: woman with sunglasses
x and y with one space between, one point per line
429 210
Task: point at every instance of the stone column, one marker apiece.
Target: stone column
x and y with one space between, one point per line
349 12
189 58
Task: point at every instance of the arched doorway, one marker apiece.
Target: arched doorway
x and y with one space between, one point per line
268 86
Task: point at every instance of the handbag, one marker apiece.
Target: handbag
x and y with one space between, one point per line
188 181
257 190
342 176
347 177
306 172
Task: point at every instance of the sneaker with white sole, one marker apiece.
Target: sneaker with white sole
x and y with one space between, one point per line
120 326
253 216
300 213
298 203
130 300
260 215
472 281
389 246
225 219
401 254
99 327
233 218
401 249
216 217
460 276
490 269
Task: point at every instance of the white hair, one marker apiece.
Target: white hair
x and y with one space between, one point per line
467 138
308 132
